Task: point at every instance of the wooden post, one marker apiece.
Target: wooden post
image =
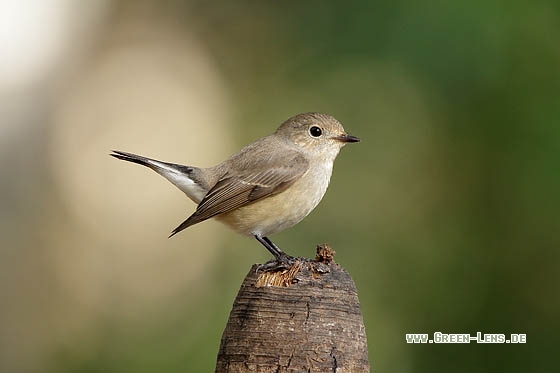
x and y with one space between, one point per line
305 319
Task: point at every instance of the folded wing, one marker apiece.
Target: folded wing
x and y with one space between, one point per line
237 189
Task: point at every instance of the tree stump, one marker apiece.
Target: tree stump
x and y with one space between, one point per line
303 319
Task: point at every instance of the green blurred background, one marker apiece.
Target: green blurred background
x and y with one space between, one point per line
446 214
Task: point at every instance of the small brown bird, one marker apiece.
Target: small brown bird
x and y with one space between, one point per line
270 185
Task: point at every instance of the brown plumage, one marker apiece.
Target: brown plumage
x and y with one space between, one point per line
269 185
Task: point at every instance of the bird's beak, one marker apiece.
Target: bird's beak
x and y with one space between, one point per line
347 138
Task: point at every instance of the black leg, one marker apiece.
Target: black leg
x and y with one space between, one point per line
278 250
270 246
282 260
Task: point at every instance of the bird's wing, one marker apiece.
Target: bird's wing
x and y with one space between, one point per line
238 189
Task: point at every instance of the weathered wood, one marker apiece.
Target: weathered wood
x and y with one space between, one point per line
306 319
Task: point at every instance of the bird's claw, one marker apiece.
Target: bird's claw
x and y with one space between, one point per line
281 262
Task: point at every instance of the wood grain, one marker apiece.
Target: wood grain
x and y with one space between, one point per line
311 322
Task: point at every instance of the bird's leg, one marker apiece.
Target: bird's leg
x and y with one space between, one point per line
283 260
270 246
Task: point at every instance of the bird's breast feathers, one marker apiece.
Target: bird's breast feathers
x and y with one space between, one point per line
284 210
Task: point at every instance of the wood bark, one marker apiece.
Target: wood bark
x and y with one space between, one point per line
303 319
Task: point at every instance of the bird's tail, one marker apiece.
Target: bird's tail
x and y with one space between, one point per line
188 179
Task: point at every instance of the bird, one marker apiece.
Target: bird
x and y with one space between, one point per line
268 186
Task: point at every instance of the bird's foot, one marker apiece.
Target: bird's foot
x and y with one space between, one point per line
281 262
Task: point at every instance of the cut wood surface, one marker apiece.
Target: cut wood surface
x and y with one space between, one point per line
303 319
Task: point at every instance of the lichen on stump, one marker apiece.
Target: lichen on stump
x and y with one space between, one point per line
303 319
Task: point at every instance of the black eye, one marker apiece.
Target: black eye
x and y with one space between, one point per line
315 131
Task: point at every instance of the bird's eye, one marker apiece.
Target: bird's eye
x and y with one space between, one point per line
315 131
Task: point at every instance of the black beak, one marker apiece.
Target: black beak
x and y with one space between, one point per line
347 138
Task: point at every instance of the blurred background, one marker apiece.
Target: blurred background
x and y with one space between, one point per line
446 214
